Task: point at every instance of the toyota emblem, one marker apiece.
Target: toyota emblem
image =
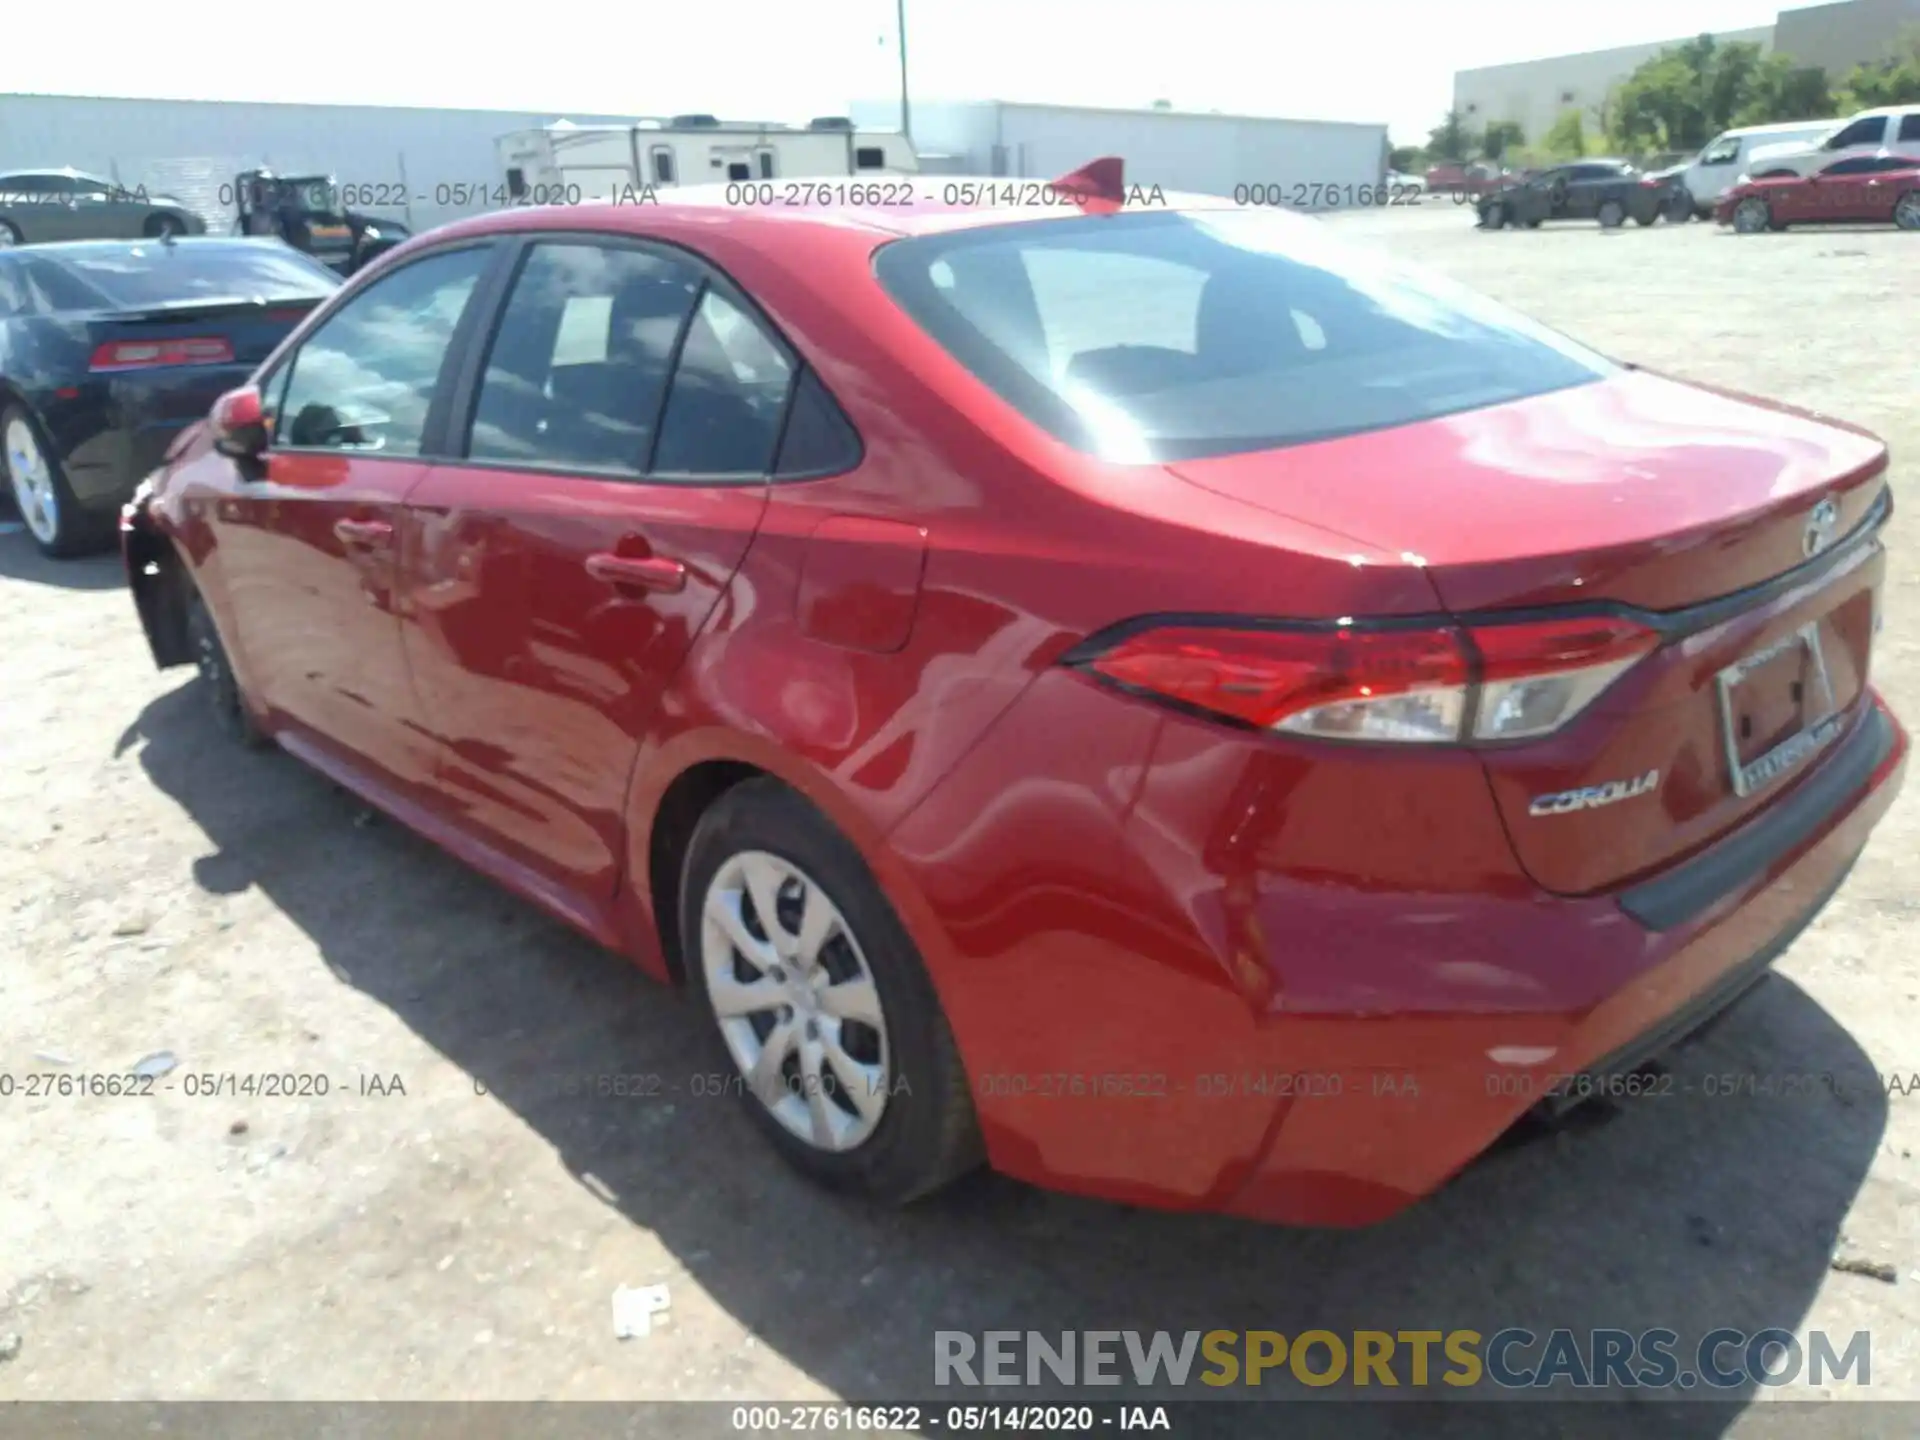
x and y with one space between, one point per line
1822 525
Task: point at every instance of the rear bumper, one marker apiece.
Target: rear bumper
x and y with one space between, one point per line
1198 971
1746 900
118 434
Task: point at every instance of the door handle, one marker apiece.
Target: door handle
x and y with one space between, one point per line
373 534
651 572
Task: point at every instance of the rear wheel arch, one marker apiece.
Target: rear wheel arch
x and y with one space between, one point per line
677 784
686 799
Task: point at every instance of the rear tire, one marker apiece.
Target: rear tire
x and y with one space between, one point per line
159 227
1612 215
39 490
10 235
784 1014
224 697
1906 211
1644 220
1496 218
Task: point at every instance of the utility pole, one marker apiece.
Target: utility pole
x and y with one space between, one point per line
906 114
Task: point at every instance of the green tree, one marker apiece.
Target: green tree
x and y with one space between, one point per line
1501 136
1892 81
1566 139
1690 92
1406 159
1780 91
1449 141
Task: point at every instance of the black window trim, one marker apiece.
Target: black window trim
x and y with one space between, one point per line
431 445
491 300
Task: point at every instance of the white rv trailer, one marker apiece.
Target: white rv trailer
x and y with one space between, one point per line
588 162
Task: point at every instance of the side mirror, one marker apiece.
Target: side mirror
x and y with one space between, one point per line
239 424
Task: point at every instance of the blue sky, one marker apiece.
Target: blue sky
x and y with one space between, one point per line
1389 60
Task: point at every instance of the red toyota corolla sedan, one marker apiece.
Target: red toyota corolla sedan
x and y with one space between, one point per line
1871 189
1147 694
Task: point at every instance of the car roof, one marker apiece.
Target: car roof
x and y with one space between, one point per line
1779 127
84 249
65 172
896 206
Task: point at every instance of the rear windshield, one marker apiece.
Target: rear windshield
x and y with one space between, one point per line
1173 336
133 276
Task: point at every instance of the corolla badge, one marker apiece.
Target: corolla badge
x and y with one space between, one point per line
1823 524
1593 796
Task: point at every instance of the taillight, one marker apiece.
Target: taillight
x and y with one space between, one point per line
1443 684
146 354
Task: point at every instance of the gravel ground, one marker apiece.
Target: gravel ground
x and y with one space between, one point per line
448 1223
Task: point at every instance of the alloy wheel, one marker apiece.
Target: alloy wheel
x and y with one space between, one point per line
1906 214
32 477
1752 216
795 999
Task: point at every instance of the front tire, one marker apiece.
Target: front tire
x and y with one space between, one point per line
1612 215
54 519
162 227
10 235
224 698
1906 211
1496 218
820 1001
1752 216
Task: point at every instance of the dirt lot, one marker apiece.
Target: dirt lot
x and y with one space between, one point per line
164 892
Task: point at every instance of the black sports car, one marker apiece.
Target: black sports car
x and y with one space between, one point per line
1610 191
109 348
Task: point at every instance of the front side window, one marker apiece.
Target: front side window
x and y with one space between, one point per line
365 379
1860 132
1160 337
1721 152
577 372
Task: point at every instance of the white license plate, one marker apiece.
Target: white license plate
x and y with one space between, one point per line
1821 720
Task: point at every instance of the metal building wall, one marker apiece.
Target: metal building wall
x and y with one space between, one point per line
1314 163
192 148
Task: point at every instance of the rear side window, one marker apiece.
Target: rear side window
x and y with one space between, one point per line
1909 128
819 439
365 380
577 371
729 394
139 275
1166 336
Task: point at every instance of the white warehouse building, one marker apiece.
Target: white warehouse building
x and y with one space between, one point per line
1175 149
424 167
427 167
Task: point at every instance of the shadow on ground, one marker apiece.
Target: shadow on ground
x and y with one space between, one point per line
20 559
1681 1213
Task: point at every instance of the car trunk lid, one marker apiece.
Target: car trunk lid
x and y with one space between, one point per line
1743 532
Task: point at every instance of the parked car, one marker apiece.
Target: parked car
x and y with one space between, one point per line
1723 161
1891 127
1463 179
37 206
305 212
1610 191
1400 183
108 349
1235 745
1868 189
